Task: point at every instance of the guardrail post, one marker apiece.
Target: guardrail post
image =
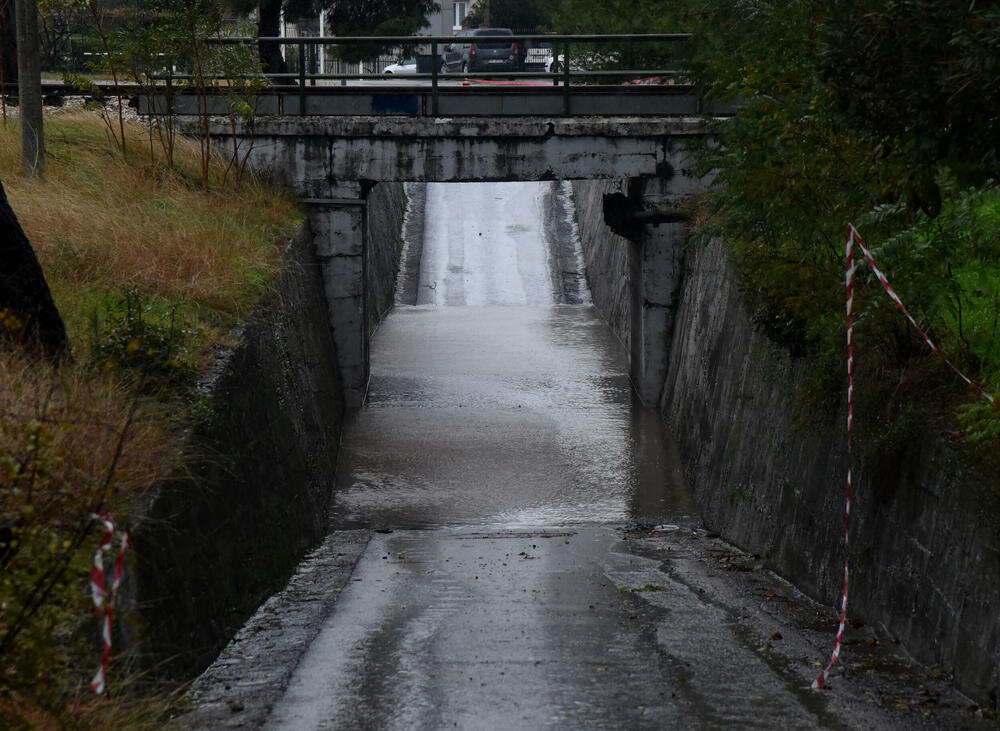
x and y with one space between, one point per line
565 73
434 78
170 91
302 79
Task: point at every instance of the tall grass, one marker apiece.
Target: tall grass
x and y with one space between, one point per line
72 443
100 222
148 270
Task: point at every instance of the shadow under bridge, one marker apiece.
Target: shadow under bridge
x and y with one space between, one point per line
333 162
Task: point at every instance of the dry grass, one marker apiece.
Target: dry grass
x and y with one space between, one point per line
89 713
72 443
82 439
82 415
101 221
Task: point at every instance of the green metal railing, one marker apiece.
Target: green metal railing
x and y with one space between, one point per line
568 73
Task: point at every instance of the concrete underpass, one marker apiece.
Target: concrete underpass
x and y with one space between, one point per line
513 544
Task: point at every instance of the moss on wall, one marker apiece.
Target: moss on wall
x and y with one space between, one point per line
225 530
386 208
925 544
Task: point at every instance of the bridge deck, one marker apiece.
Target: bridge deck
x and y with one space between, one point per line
313 153
476 98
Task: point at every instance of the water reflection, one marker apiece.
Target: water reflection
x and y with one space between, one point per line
491 404
513 416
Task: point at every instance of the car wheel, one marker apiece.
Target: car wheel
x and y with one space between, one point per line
465 68
443 69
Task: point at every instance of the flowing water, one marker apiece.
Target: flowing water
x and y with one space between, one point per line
498 396
498 456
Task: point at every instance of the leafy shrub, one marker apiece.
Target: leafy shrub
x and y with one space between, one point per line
855 112
70 446
130 338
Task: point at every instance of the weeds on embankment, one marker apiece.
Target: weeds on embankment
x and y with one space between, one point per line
100 222
149 270
835 126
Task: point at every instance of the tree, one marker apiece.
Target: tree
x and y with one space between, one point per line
29 88
523 16
28 316
611 16
8 39
269 26
620 16
921 79
344 17
60 20
381 18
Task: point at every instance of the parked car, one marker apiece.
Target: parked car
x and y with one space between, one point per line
405 66
538 58
467 54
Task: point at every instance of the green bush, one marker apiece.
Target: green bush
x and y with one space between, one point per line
153 347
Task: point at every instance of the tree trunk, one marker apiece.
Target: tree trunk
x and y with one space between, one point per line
8 42
269 25
29 88
28 316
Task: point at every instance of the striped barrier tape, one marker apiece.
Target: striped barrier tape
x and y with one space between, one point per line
103 595
853 235
854 238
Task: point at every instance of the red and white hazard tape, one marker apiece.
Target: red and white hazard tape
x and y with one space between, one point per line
103 595
853 237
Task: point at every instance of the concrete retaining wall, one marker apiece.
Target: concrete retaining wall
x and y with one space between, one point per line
606 257
925 536
386 208
227 529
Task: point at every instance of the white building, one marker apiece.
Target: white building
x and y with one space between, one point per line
448 21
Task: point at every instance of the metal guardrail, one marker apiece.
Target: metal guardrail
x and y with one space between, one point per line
565 76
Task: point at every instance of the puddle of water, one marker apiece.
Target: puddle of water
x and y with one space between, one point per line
509 412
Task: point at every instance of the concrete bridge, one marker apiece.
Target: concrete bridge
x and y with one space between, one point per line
332 162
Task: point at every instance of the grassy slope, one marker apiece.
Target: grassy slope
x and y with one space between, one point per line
102 223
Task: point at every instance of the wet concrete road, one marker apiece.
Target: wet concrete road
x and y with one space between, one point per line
487 568
459 628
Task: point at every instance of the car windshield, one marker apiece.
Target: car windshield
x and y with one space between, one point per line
493 32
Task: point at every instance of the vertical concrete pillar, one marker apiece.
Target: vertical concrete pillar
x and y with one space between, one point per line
339 227
658 235
657 264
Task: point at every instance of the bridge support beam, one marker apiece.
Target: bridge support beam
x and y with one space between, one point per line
652 218
657 264
339 228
